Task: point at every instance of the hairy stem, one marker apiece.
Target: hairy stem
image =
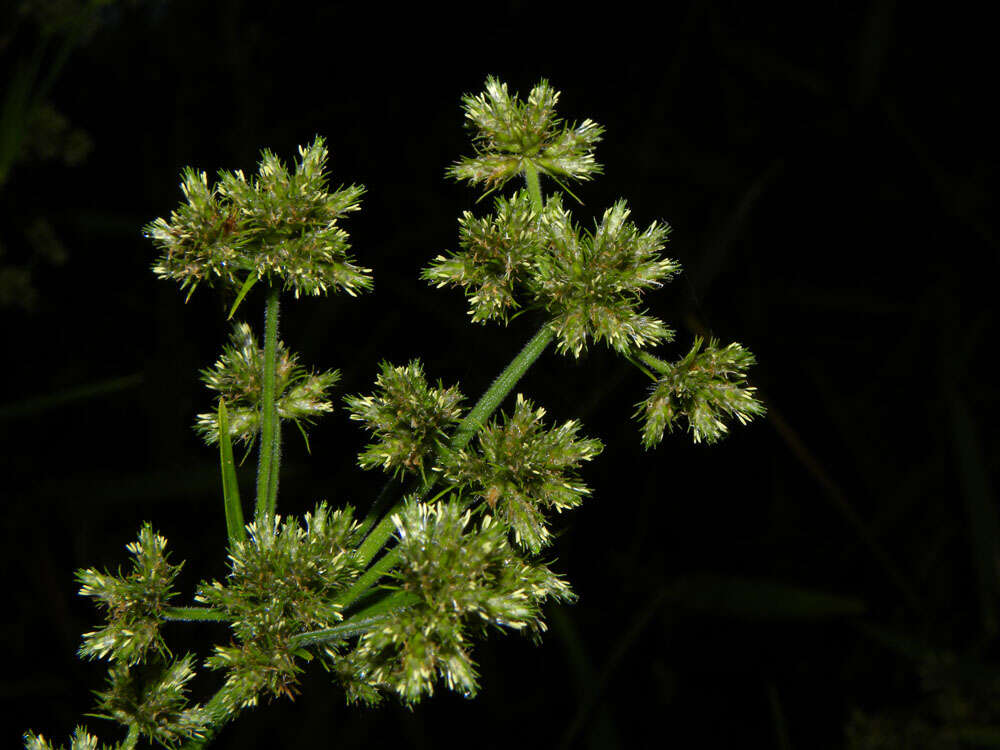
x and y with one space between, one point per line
534 187
270 429
473 422
359 623
193 614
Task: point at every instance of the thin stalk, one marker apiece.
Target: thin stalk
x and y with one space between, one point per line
219 707
369 578
133 738
473 422
193 614
360 623
534 187
270 430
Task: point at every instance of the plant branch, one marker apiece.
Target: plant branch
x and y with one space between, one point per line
473 422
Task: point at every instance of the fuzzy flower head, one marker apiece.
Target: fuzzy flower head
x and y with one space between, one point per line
283 581
237 377
495 257
406 416
133 604
280 224
592 283
523 469
154 699
511 134
706 388
465 577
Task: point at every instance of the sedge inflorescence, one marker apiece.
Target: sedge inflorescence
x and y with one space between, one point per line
393 604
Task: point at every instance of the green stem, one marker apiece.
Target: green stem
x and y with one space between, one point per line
360 623
534 187
133 738
369 578
469 426
193 614
270 429
220 708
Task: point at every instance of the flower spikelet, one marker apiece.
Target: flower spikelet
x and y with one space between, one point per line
706 387
81 740
510 133
154 699
237 377
522 469
466 578
281 223
592 284
407 417
133 604
495 257
282 582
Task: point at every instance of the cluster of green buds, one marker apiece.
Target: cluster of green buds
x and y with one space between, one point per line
278 225
300 395
147 688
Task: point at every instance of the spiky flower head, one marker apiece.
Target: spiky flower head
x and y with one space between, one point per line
154 700
81 740
133 604
495 257
706 388
592 283
466 577
521 469
301 395
281 224
407 417
511 134
282 582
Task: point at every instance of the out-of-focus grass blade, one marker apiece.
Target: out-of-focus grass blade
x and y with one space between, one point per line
32 406
982 514
778 717
764 599
230 485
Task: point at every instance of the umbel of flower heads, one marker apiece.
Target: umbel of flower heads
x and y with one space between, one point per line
392 603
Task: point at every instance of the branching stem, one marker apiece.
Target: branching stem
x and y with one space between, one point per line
473 422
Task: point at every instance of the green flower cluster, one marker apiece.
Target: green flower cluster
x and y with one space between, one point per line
81 740
133 604
283 581
706 387
407 417
529 252
154 700
466 578
590 283
512 136
522 469
237 377
146 692
496 257
280 224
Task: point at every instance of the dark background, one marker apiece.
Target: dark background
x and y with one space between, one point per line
824 578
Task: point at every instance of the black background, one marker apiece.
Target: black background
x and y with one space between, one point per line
827 172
